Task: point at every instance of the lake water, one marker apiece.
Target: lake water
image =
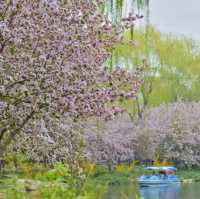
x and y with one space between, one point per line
183 191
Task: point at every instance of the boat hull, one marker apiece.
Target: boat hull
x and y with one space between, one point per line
155 181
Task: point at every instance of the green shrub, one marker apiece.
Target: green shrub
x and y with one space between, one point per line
58 183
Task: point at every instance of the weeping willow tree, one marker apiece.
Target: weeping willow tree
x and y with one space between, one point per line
173 67
116 9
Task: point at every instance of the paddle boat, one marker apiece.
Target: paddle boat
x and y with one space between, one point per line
159 176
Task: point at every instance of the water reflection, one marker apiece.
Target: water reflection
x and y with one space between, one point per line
161 192
183 191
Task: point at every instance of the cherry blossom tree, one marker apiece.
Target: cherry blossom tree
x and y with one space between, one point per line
111 143
170 132
53 73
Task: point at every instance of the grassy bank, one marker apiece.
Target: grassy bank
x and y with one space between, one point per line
127 175
95 186
56 183
189 175
123 175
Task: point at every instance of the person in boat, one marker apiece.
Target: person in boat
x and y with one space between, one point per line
163 174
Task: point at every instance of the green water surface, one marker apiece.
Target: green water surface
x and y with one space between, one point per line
183 191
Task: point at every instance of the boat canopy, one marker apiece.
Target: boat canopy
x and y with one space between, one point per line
172 168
